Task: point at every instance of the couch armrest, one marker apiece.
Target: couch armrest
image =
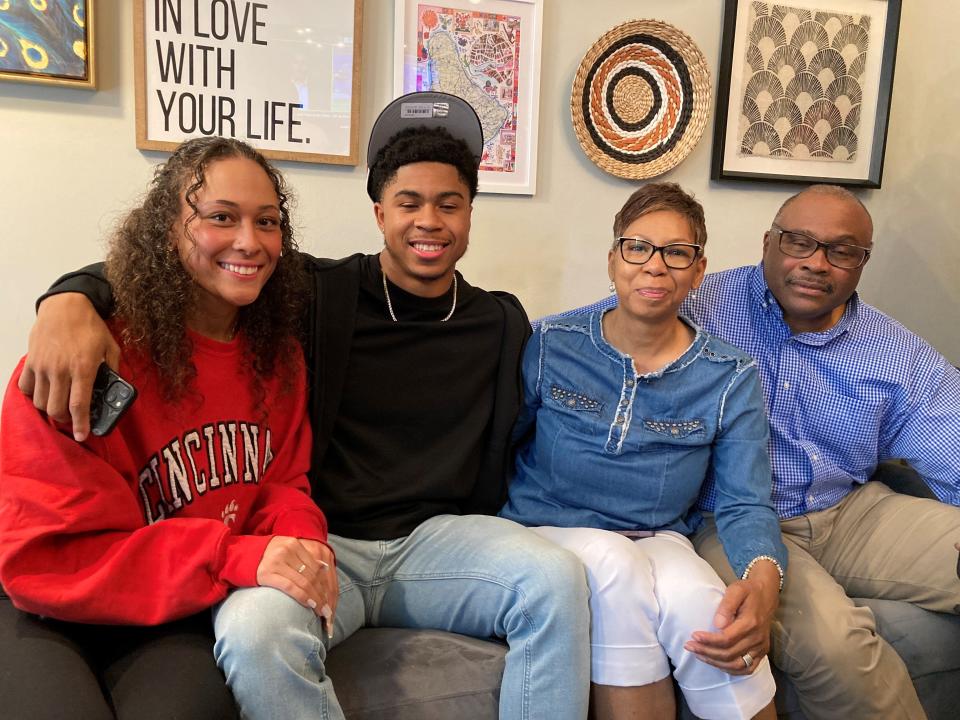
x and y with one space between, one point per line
901 478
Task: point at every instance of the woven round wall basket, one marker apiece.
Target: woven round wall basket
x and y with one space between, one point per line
640 99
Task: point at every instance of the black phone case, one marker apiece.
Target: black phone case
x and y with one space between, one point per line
112 395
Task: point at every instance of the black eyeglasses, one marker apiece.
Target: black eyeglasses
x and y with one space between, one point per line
677 256
800 245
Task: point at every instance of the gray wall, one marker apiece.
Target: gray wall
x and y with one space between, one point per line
70 167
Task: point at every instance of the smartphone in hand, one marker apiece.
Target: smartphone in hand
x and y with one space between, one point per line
112 395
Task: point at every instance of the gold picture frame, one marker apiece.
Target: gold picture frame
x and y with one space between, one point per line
49 42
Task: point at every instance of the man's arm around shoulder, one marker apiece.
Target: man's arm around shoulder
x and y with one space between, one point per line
67 343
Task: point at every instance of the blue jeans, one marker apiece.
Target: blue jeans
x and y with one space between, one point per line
475 575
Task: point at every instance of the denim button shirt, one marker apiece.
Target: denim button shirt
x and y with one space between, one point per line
840 401
603 447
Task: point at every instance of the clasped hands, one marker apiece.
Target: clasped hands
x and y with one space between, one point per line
743 621
304 570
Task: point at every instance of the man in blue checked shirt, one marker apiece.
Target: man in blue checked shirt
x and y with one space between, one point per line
846 387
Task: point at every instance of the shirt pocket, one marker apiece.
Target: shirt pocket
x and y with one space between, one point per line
852 440
573 401
578 411
669 432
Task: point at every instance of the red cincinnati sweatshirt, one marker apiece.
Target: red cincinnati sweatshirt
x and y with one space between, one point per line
166 514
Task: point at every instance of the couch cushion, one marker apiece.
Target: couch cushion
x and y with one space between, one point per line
929 644
398 674
389 673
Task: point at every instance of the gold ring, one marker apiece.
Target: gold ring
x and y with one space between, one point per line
747 660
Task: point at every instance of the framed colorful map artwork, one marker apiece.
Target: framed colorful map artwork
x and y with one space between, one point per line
488 53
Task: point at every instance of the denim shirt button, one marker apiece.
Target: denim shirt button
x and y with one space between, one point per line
618 420
629 382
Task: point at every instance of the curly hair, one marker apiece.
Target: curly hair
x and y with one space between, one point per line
662 196
155 294
422 144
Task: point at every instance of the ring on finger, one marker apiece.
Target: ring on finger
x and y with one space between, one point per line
303 566
747 660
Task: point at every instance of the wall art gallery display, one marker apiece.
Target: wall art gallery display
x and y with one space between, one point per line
487 53
47 41
640 99
282 75
805 90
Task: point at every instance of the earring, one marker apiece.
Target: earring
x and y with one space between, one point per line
693 294
613 288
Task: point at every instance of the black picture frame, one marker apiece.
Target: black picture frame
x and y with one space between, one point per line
812 164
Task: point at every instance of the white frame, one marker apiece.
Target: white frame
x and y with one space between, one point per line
523 180
269 69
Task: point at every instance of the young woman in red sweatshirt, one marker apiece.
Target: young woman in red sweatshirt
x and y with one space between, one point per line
113 550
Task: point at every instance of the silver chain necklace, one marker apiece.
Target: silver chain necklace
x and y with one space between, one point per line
393 315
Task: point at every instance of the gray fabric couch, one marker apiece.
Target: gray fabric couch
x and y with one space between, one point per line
395 674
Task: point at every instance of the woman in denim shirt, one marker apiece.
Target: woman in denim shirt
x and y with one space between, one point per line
630 416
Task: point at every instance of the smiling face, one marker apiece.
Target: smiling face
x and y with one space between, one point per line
424 215
652 292
232 246
813 293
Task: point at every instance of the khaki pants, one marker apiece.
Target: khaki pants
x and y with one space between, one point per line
877 544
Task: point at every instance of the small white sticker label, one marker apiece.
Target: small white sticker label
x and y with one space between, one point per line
424 110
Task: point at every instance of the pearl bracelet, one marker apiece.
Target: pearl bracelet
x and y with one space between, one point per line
758 558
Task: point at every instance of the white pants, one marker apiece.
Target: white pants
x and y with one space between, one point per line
646 598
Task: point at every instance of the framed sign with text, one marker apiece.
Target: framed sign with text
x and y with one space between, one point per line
282 75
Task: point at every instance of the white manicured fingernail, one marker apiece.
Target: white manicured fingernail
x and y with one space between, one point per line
323 564
312 603
327 612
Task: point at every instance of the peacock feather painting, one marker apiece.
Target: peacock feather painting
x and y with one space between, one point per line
45 40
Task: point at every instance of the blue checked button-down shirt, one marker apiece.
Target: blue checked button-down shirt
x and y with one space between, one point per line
839 401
